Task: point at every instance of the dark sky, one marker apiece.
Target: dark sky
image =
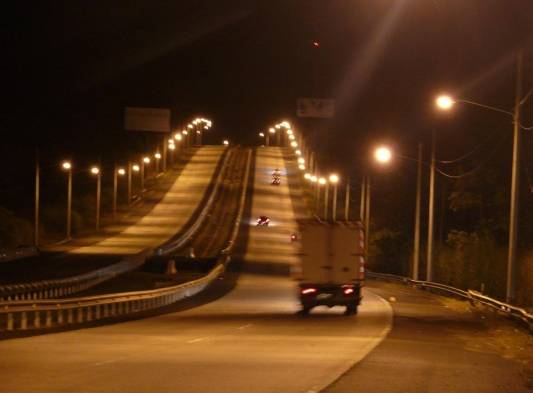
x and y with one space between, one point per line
70 67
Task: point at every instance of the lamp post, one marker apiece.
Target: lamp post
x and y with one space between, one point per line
67 166
144 161
347 201
334 179
134 168
431 212
320 182
37 199
445 102
157 157
117 172
326 199
96 172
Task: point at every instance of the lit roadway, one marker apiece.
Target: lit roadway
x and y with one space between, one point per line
249 340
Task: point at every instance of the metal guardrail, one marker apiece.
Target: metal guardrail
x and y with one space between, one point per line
66 286
55 313
173 245
470 295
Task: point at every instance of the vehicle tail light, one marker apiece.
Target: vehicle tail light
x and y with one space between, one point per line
347 290
308 291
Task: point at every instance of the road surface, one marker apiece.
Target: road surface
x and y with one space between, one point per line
250 340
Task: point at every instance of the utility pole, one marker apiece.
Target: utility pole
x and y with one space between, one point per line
431 223
416 245
98 197
37 199
69 205
326 200
367 215
515 186
347 200
115 191
362 200
129 182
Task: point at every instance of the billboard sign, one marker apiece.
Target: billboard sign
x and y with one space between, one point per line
315 107
147 119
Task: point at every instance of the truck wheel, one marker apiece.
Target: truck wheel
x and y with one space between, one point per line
351 310
305 310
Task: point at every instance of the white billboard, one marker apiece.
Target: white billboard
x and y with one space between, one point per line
147 119
315 107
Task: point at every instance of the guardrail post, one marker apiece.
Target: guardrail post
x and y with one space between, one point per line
113 309
36 319
97 311
70 315
89 314
48 322
80 315
23 321
126 307
10 322
59 317
106 310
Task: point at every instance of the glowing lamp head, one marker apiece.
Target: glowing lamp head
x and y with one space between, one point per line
383 155
184 132
95 170
189 126
146 160
157 156
291 137
294 144
334 178
261 134
177 137
307 176
272 130
172 147
136 168
66 165
322 181
444 102
298 152
301 167
301 160
314 179
121 171
225 142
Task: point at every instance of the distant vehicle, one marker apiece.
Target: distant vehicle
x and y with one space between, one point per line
263 221
333 269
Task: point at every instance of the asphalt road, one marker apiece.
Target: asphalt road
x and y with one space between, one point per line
442 345
250 340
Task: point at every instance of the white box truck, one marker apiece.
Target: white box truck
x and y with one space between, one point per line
333 264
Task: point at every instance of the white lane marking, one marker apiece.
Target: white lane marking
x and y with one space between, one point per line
369 347
245 326
196 340
103 362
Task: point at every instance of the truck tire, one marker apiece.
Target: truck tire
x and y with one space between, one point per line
305 310
351 309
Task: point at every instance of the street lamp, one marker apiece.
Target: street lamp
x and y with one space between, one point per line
96 172
334 179
67 166
145 161
383 155
444 102
118 172
294 144
157 157
515 176
135 168
225 142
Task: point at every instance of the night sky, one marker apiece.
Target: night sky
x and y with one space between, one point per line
70 68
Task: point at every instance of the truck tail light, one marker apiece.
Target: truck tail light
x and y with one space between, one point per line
307 291
347 290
